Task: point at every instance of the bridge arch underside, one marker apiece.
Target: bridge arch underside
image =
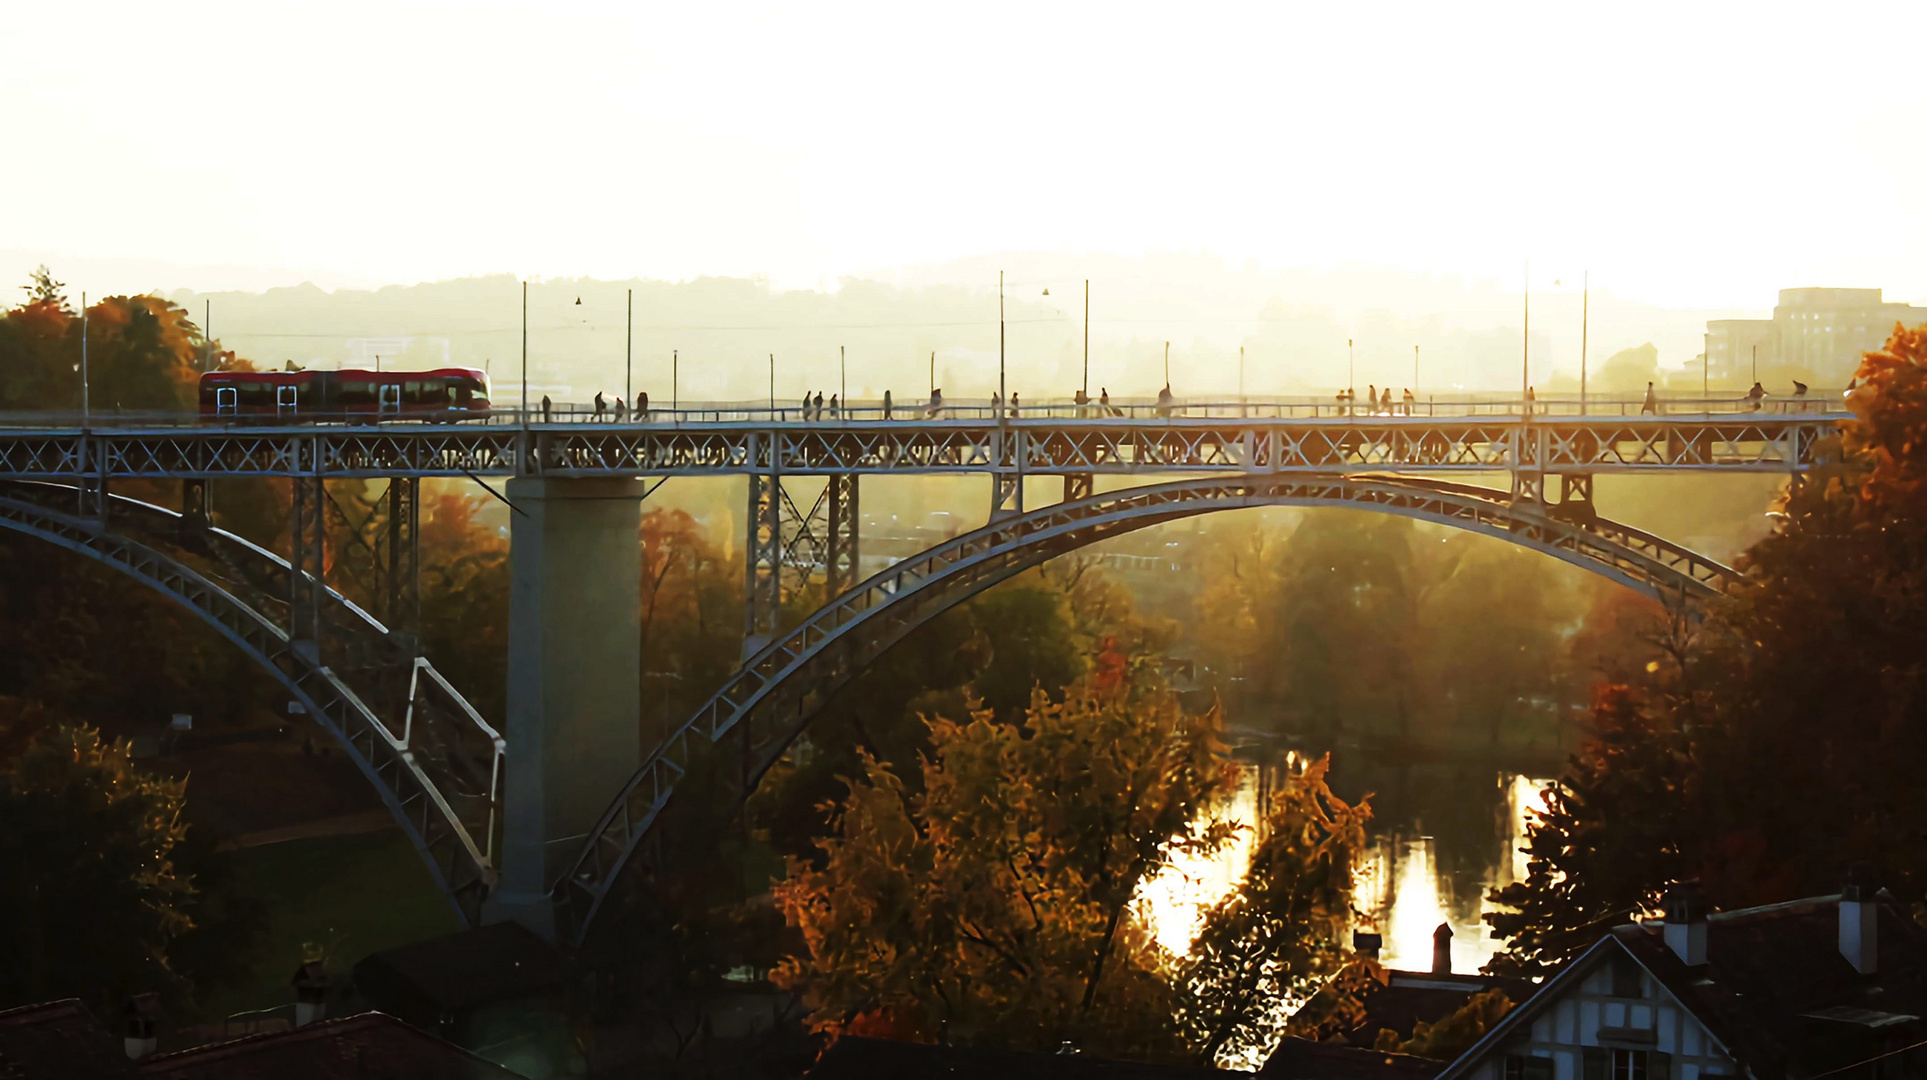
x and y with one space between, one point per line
395 717
768 702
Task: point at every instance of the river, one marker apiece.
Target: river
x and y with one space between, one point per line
1442 836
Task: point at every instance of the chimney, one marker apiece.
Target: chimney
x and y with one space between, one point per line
1686 922
310 993
1860 920
141 1017
1367 945
1442 950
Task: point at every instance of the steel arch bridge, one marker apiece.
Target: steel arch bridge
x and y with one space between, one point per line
446 774
432 759
768 702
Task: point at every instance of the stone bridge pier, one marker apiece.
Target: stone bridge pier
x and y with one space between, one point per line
574 673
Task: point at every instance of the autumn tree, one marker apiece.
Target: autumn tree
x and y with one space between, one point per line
92 901
1454 1033
1280 935
991 905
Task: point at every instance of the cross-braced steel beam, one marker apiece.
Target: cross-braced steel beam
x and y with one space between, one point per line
401 562
1475 442
762 561
308 555
845 529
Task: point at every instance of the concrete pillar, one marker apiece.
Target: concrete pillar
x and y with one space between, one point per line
574 669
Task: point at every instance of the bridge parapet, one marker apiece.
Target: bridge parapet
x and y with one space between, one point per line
1736 442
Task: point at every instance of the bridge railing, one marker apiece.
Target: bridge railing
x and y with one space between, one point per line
978 410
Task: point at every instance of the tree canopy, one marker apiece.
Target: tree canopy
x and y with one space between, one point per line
1810 679
995 902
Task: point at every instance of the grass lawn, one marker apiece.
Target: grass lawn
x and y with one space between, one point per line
351 895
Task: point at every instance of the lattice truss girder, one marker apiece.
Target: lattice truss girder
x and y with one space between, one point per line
765 704
788 547
1601 444
436 764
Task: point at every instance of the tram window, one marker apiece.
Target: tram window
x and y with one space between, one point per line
433 392
256 394
411 391
357 393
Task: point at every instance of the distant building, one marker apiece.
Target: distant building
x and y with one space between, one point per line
1819 331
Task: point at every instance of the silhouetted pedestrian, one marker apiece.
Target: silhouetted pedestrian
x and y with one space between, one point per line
1649 407
836 408
622 412
1409 399
1013 405
546 407
816 408
642 405
886 406
600 406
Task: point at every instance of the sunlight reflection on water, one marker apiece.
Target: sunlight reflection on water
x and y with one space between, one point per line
1397 886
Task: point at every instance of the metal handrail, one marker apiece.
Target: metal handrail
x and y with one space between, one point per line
980 410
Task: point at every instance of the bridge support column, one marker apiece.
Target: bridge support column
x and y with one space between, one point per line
1562 495
1006 495
401 556
842 568
307 561
762 561
574 674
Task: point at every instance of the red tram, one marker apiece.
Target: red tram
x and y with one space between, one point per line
349 394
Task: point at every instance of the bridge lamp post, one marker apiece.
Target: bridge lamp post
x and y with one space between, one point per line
1087 337
1000 344
83 362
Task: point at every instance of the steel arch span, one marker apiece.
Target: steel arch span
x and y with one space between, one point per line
775 695
433 760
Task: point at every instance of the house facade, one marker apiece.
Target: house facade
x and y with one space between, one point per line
1831 986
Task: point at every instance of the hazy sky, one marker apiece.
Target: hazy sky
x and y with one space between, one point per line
1689 154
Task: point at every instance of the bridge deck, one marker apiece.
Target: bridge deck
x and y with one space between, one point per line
1477 437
